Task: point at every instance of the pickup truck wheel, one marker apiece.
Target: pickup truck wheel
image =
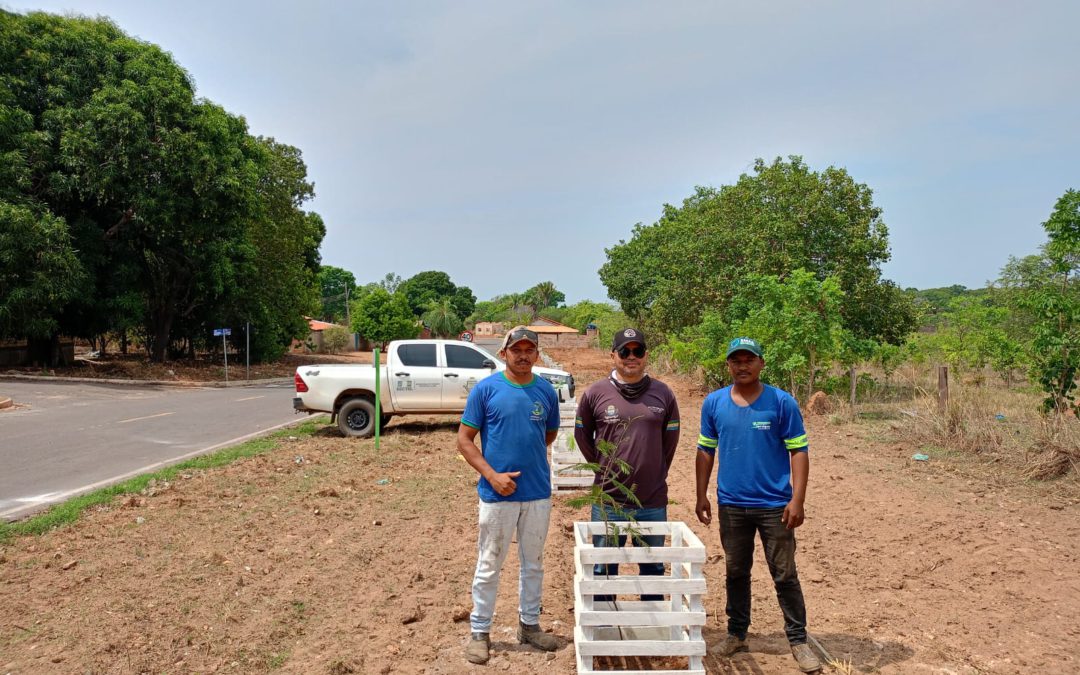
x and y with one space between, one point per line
357 418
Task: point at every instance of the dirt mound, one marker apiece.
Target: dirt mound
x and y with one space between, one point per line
819 404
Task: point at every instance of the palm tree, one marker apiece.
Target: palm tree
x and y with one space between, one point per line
442 319
544 294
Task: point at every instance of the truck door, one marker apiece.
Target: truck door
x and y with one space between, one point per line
464 368
415 377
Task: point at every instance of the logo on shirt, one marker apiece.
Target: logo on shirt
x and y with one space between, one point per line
762 425
537 411
656 409
612 413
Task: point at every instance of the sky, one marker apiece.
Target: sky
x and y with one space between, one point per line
509 142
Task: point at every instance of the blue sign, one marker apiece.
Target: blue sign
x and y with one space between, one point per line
218 332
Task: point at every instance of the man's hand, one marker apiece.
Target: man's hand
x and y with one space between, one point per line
704 510
503 483
793 515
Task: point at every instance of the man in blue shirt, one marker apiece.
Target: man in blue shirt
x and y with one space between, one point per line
760 488
517 417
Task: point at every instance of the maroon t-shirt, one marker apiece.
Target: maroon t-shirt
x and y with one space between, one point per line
645 431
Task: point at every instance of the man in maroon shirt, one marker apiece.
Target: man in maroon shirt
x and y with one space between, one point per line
639 417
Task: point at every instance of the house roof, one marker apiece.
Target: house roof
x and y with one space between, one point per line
542 324
315 324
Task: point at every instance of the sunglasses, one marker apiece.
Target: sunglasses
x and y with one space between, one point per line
625 352
521 334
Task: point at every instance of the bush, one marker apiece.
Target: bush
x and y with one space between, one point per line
335 339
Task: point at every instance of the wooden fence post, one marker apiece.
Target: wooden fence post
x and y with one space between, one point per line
854 380
942 388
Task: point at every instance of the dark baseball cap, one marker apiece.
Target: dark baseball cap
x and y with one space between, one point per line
626 336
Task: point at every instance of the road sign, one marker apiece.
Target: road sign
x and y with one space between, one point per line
466 336
220 332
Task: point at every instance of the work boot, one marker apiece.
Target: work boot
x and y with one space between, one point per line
806 658
532 635
477 651
733 644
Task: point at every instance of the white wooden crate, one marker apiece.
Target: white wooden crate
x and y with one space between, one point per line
669 627
563 456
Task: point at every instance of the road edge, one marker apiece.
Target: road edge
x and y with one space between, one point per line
23 512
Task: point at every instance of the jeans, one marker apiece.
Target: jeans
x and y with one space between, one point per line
652 515
498 522
737 528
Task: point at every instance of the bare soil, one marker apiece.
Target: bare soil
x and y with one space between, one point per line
326 555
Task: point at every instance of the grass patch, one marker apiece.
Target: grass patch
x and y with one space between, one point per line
69 511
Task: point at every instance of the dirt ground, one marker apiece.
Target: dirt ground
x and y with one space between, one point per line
327 556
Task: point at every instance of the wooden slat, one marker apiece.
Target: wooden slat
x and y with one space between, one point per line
664 528
599 555
642 586
581 481
627 618
586 647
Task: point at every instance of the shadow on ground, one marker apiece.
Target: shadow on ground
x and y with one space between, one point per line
863 654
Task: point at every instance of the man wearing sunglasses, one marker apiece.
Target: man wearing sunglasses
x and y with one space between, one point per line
516 415
757 432
637 417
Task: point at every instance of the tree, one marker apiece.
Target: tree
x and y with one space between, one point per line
798 320
782 218
1055 305
381 317
179 218
39 271
391 282
336 285
426 287
442 319
543 295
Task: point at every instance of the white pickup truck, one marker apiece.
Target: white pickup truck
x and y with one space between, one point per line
419 377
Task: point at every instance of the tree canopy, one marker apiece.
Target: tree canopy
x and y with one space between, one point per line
336 285
168 216
781 218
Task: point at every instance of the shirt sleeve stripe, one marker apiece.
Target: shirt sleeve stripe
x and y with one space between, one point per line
470 424
707 443
796 443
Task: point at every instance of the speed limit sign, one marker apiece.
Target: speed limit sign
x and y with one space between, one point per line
466 336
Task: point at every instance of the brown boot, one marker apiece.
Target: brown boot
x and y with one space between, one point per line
478 649
532 635
806 658
733 644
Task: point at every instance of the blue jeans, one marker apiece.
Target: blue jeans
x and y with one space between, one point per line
737 528
653 515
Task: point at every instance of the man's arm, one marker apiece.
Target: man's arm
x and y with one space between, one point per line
502 483
800 473
550 436
671 432
585 429
703 466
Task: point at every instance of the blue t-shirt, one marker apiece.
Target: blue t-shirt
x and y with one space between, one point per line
513 420
755 442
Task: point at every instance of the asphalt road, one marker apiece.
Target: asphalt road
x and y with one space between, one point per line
63 439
